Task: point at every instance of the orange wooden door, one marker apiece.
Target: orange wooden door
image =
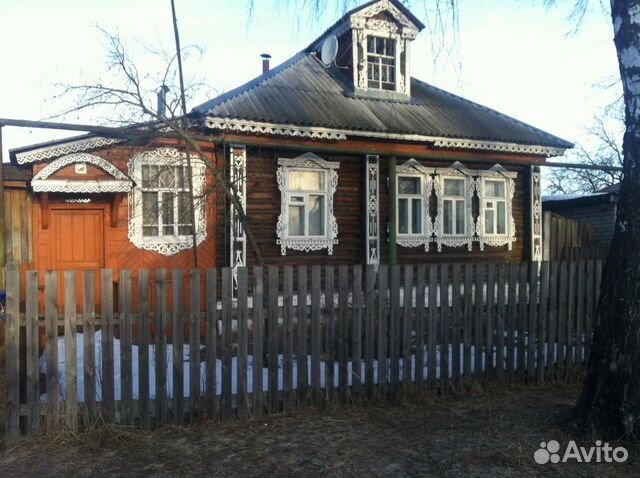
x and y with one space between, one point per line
78 244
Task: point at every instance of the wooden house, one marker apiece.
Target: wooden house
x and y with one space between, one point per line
339 156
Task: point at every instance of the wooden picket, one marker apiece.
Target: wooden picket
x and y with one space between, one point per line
379 332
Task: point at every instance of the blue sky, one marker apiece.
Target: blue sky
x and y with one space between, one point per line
515 55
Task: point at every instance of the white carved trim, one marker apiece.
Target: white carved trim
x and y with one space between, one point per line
306 244
165 245
373 209
92 186
536 214
456 171
247 126
48 152
237 234
415 169
361 16
495 240
76 158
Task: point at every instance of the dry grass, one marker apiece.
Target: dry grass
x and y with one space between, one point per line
490 433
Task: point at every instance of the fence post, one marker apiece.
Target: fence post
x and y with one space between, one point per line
33 370
162 400
178 349
108 398
194 342
70 356
143 349
12 274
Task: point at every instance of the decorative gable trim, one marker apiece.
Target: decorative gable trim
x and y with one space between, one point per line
244 126
65 161
48 152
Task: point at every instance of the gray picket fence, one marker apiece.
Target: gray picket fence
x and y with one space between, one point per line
275 339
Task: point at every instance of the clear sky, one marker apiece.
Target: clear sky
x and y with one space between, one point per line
515 55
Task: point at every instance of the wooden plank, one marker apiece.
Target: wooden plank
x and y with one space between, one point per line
420 318
571 318
51 352
523 295
542 322
343 330
394 331
533 321
177 401
316 334
456 319
272 321
126 364
211 344
383 297
330 334
356 334
287 343
490 318
144 399
258 340
301 350
106 317
589 312
369 328
445 336
478 312
407 325
512 316
162 399
194 343
33 371
70 354
89 352
432 325
243 346
227 342
12 349
467 319
552 329
562 319
500 320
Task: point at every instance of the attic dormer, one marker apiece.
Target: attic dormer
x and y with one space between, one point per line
373 46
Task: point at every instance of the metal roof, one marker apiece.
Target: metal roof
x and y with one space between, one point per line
303 92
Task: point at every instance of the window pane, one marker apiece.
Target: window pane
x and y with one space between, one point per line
454 187
371 44
416 212
460 217
306 181
488 222
403 216
502 218
316 215
180 178
149 214
447 217
495 189
167 213
167 177
296 220
408 185
149 176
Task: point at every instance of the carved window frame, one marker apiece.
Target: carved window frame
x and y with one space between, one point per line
455 171
307 161
496 172
165 245
413 168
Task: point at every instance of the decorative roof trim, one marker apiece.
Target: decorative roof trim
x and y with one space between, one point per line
87 158
91 186
48 152
275 129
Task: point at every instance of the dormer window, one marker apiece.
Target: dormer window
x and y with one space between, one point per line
381 63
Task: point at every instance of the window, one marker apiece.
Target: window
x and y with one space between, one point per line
381 63
307 185
160 210
454 207
495 207
496 226
410 205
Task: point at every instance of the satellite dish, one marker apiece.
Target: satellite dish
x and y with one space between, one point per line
329 50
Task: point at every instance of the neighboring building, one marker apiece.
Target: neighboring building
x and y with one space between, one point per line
354 161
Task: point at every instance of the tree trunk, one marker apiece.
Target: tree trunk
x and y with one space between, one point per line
610 401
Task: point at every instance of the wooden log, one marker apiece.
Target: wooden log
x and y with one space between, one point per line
126 332
330 333
407 324
316 334
343 331
287 343
301 349
12 340
211 343
394 331
194 343
420 320
227 343
272 320
161 319
243 346
106 316
33 371
258 340
369 327
356 335
71 351
178 346
144 398
383 298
